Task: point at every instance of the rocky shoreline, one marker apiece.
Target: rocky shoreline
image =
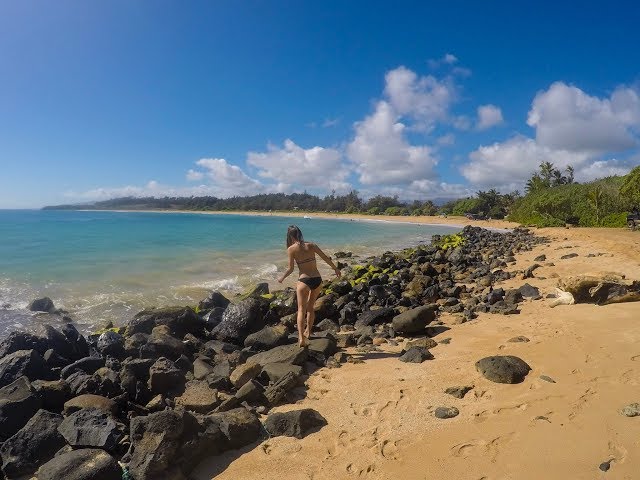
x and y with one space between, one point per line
176 385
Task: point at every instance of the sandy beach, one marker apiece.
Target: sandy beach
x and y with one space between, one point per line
420 219
380 412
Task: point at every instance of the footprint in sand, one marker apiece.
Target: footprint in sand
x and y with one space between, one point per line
580 403
464 449
389 449
360 472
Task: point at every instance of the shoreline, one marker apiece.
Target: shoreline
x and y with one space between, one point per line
436 220
380 412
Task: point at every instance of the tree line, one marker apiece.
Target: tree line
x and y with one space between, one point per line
552 197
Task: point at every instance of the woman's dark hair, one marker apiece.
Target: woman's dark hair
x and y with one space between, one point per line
293 235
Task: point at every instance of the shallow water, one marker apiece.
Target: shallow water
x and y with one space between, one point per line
103 266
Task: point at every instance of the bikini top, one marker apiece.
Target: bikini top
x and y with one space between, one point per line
306 260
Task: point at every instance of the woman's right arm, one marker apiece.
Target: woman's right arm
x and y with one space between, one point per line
326 258
288 270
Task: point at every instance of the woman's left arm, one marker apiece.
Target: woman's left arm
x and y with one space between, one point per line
288 270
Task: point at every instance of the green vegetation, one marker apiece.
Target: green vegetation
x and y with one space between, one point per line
490 204
446 242
552 201
552 198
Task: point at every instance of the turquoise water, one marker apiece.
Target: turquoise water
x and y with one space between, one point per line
107 265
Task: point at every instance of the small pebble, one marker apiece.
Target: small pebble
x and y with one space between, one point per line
446 412
631 410
605 466
547 379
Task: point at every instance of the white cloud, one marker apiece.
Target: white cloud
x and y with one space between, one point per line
567 118
298 168
381 154
488 116
447 140
229 180
330 122
426 100
572 128
605 168
509 164
194 176
151 189
446 59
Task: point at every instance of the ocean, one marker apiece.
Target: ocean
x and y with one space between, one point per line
107 266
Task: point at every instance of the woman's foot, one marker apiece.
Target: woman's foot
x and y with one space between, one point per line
307 333
302 342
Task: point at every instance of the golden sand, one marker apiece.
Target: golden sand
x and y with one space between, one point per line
380 412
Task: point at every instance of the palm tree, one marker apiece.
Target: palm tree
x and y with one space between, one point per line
570 171
595 196
546 172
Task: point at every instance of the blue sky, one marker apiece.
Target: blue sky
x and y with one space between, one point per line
422 100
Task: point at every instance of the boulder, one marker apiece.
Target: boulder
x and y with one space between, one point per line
156 442
44 304
22 341
27 363
198 397
272 372
529 291
283 354
201 369
162 345
18 403
267 338
88 365
180 321
111 343
414 320
32 445
295 423
53 394
53 360
85 464
324 307
374 317
133 343
250 392
81 383
513 296
459 391
424 342
214 300
78 344
239 426
91 402
243 373
325 346
239 320
328 325
255 291
91 427
416 355
503 369
164 376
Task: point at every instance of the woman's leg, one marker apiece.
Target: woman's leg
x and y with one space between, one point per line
311 313
302 293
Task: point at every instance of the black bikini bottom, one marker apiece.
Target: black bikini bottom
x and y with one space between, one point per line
311 282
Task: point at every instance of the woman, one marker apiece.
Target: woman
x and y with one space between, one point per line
308 286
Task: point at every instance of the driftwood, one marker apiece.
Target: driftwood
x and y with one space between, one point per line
276 392
599 289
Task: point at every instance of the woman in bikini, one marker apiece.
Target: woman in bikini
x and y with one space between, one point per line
308 286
